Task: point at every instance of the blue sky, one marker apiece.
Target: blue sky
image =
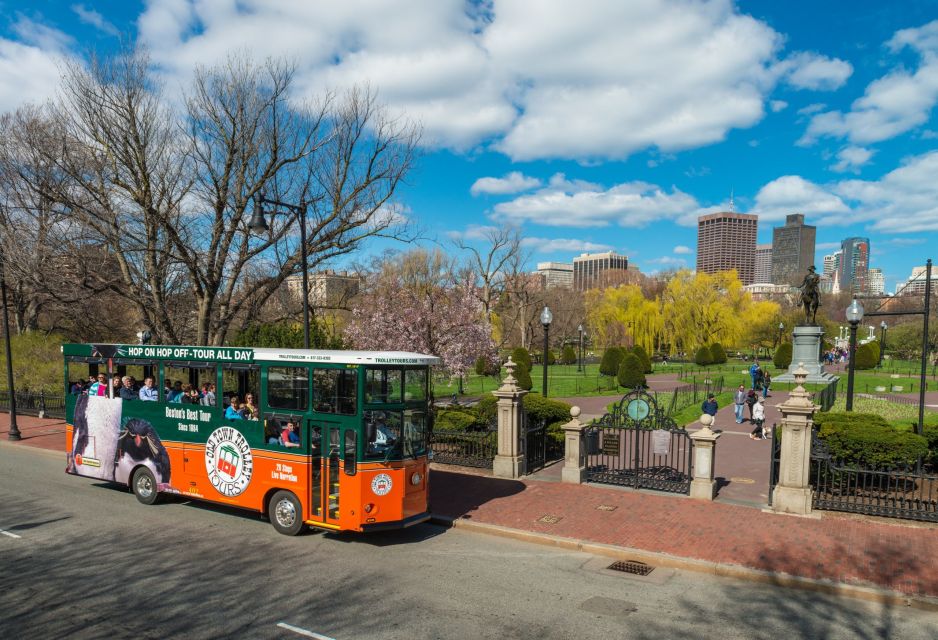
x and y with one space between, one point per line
592 125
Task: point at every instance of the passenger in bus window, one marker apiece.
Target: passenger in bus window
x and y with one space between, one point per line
99 387
288 437
76 388
148 390
208 394
117 383
233 412
249 410
272 431
175 394
186 396
127 389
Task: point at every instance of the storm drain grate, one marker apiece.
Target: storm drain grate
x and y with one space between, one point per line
549 519
632 566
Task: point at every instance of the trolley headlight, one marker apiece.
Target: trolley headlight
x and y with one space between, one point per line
416 478
369 508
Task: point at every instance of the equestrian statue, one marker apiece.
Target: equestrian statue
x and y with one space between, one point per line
810 295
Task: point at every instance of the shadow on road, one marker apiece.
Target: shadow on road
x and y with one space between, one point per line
457 495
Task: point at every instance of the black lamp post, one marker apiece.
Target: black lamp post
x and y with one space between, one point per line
258 224
14 429
781 327
546 318
854 316
882 341
579 361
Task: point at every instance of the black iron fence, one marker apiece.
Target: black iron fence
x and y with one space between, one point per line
909 492
466 448
691 394
540 446
32 403
827 396
658 459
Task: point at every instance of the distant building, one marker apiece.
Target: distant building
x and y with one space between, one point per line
826 284
915 285
877 282
855 265
763 263
832 264
727 241
792 250
588 268
556 274
327 289
782 293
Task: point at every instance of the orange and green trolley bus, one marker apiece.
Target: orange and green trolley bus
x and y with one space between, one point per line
332 439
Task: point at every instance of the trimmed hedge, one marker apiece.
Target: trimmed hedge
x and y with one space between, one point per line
868 440
521 356
630 373
523 374
643 358
458 419
612 358
568 355
783 354
867 356
537 406
703 357
717 353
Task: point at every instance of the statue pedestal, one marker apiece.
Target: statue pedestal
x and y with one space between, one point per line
806 349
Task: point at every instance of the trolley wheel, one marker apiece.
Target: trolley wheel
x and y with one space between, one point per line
144 486
286 513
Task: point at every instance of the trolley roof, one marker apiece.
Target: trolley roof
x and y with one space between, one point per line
246 355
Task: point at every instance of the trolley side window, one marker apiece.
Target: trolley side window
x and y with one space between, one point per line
335 391
383 386
288 388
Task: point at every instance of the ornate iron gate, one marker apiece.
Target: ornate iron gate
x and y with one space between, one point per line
637 445
539 447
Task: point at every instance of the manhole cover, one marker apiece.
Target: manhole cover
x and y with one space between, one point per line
549 519
606 507
743 480
632 566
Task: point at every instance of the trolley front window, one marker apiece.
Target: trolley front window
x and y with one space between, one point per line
288 388
394 434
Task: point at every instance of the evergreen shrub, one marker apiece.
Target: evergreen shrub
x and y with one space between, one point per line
639 351
609 365
717 353
630 373
703 357
568 355
520 356
783 354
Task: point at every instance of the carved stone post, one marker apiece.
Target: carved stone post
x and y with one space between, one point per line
574 464
703 486
509 461
793 492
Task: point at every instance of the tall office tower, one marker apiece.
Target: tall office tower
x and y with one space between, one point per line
915 285
792 250
855 265
832 264
877 282
726 241
589 267
763 263
556 274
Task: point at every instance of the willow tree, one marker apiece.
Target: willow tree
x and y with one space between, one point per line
615 313
702 308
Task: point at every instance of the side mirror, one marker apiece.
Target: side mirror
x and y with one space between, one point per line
371 431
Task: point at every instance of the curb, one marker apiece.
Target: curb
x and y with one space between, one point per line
874 594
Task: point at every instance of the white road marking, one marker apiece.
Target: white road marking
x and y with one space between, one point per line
7 533
303 632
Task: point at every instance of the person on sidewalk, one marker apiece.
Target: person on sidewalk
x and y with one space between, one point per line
751 397
766 381
758 416
740 401
754 372
709 406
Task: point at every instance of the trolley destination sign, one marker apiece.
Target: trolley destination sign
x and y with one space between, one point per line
160 352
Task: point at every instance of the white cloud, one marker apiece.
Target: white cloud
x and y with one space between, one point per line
27 74
41 36
816 72
906 242
513 182
794 194
893 104
567 245
851 159
778 105
565 203
95 19
812 108
668 261
682 249
550 83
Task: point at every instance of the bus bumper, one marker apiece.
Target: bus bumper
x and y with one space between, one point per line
396 524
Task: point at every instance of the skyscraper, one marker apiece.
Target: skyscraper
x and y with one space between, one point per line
763 263
588 268
726 241
855 265
792 249
556 274
877 284
832 263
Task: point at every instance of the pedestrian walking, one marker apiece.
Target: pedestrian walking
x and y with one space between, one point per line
751 398
740 402
754 372
758 417
766 381
709 405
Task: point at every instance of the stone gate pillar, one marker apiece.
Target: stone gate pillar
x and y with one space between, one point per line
509 461
574 464
703 486
792 494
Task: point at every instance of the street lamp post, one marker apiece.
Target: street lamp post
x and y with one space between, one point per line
258 224
854 316
14 429
882 342
579 362
546 318
781 327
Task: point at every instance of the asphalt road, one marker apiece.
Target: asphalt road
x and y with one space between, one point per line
82 559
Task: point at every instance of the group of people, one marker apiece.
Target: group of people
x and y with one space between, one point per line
761 380
756 403
247 410
285 435
190 394
835 355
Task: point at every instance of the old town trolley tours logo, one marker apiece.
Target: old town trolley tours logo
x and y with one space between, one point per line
228 461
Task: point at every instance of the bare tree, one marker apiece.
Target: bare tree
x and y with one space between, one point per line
488 265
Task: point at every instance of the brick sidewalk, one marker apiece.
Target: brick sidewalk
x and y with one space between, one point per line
845 549
838 548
